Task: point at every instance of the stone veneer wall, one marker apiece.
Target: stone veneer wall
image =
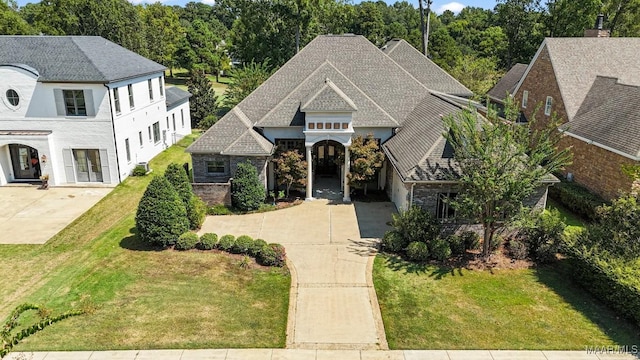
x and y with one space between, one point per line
213 193
200 174
597 169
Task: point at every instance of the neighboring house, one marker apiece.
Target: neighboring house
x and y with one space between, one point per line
590 83
82 110
506 86
337 87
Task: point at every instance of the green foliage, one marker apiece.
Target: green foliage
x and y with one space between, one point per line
439 249
290 169
577 199
517 248
477 74
471 240
366 160
272 255
203 101
394 242
247 192
226 242
501 164
243 245
178 178
11 337
161 217
196 212
207 122
418 251
11 23
163 32
219 209
518 19
416 224
187 241
544 236
256 247
139 170
244 80
208 241
456 244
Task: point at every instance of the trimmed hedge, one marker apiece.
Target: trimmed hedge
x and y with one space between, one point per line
272 255
615 284
247 191
196 212
208 241
187 241
257 245
418 251
577 199
226 242
242 245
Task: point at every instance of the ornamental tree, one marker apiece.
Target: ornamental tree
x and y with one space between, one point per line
366 160
290 169
501 163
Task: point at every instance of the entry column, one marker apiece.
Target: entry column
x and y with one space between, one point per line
347 166
309 174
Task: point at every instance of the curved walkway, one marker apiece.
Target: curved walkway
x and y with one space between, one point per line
330 247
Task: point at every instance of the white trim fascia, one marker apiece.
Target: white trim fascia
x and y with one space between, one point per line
602 146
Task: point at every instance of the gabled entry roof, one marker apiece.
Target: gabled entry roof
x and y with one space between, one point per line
328 98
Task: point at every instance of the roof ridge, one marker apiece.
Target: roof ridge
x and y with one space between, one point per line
81 50
329 84
245 119
260 139
365 94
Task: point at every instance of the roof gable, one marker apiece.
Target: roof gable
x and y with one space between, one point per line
75 58
610 116
508 83
328 98
174 96
423 69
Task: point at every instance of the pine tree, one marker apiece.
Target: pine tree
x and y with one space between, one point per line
203 101
161 217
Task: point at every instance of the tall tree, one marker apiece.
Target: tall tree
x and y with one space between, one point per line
244 80
500 165
163 33
519 20
570 17
53 17
203 100
478 74
11 23
366 160
199 51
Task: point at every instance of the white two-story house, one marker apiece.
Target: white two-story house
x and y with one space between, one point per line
82 110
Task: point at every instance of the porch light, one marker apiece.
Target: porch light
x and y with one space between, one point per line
43 159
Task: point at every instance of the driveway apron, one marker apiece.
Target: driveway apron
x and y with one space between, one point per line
330 247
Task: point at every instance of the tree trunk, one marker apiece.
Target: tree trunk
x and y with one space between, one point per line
218 76
486 243
298 33
171 71
288 187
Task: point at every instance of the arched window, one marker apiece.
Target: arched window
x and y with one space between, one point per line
13 97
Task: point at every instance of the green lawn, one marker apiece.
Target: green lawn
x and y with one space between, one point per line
180 77
428 307
144 299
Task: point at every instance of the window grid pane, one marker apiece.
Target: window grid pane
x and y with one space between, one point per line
130 90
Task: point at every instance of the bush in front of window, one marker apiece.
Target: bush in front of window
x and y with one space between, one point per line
416 224
247 192
161 216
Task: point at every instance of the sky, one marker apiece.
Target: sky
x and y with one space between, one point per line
438 5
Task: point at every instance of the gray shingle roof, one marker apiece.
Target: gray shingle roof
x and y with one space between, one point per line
577 62
328 98
610 116
175 96
423 69
508 83
233 134
75 58
419 151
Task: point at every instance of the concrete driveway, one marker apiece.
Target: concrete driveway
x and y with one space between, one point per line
331 247
32 216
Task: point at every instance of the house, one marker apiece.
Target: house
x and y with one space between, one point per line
506 86
337 87
590 83
82 110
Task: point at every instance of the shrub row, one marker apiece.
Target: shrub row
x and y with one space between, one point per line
577 199
611 281
264 253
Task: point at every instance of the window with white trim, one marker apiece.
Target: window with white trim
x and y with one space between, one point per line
116 100
74 102
182 116
130 90
150 138
547 106
156 132
216 167
444 210
13 97
525 98
150 85
140 138
128 149
161 87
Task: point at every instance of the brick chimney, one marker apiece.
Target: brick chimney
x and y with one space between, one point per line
598 30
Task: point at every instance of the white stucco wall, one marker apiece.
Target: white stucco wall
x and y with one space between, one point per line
182 116
400 193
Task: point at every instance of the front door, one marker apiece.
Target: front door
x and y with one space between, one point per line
326 158
25 161
88 167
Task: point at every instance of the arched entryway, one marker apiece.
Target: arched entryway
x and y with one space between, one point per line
25 162
328 165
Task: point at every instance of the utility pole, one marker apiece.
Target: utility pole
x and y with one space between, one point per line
426 34
422 30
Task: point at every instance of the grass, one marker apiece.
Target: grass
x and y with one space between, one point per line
574 223
429 307
180 77
143 298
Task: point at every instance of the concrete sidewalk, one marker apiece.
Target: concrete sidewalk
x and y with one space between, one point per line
299 354
332 304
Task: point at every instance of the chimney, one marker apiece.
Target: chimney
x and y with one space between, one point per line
598 30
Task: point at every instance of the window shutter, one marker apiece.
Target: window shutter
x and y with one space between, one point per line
104 161
67 158
60 108
88 100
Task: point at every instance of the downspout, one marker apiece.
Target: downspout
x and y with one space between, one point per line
113 127
411 196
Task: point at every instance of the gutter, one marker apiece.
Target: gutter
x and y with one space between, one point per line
605 147
113 127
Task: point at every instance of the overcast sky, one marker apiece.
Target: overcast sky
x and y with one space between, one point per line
438 5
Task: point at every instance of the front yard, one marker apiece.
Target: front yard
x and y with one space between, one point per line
431 307
143 298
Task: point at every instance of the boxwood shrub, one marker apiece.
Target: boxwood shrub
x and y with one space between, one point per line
418 251
242 245
226 242
208 241
272 255
255 248
187 241
394 242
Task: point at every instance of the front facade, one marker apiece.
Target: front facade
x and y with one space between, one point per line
589 84
80 110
